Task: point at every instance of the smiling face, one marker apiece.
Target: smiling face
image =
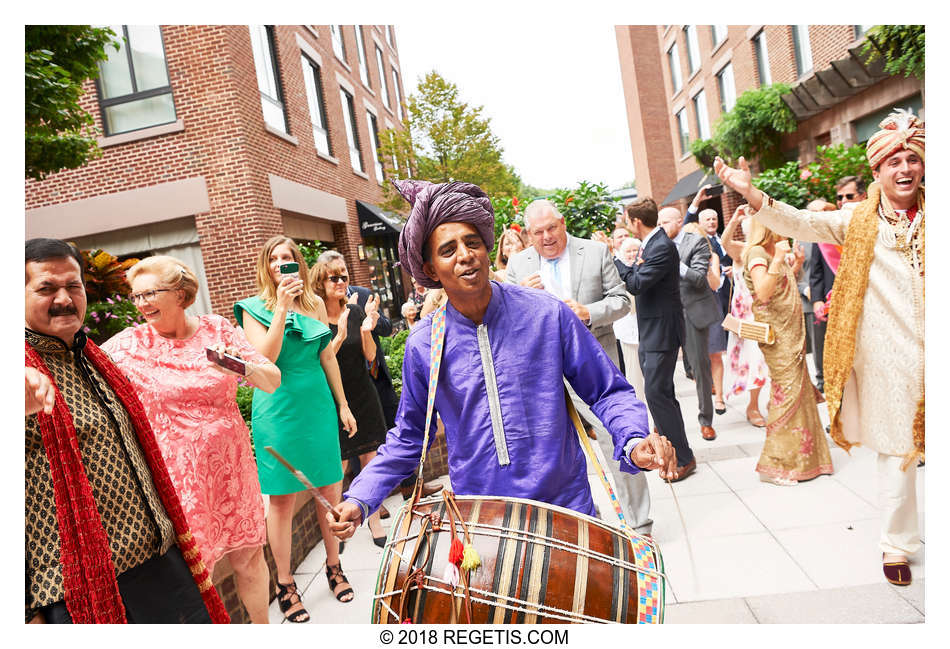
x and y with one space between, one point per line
336 281
163 310
900 176
628 251
458 259
708 221
55 297
510 245
548 234
281 254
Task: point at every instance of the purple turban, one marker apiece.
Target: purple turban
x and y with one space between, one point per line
433 205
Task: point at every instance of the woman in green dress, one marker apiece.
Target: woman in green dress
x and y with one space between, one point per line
287 324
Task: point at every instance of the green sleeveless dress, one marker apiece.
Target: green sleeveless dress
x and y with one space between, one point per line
299 419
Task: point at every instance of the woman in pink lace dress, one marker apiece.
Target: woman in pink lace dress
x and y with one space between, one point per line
190 403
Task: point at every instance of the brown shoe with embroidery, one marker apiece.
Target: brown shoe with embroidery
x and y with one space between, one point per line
897 572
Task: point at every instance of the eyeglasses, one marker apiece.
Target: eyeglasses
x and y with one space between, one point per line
842 197
338 278
148 296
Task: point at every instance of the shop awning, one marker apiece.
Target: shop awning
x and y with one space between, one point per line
689 185
375 221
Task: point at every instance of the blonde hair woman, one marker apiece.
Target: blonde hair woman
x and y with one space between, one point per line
510 242
795 448
287 324
190 404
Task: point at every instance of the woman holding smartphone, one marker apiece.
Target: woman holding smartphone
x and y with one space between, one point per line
287 324
189 402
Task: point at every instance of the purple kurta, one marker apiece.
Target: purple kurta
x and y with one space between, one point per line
535 340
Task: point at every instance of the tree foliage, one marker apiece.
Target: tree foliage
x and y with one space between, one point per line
59 59
902 47
586 208
445 139
798 187
753 128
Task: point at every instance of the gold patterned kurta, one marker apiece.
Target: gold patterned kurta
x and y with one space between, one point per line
880 397
129 505
795 447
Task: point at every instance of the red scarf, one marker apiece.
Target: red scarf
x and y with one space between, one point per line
92 593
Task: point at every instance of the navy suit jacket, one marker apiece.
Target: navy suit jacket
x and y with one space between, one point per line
655 285
821 278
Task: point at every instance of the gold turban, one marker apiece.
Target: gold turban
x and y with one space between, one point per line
900 130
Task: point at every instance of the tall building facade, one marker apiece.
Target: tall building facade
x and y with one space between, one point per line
679 79
215 138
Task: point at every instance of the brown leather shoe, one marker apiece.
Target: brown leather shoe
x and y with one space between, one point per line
708 432
383 512
897 572
683 472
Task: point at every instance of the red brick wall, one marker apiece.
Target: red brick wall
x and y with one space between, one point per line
212 74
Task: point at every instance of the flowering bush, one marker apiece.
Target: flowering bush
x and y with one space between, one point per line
110 316
104 275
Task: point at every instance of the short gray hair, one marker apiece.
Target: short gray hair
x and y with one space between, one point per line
329 256
409 305
536 207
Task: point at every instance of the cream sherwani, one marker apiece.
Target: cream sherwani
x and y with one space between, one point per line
880 397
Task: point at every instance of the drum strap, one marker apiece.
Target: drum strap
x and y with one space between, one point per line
592 456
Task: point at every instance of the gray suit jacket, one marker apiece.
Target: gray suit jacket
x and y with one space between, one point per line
595 283
699 301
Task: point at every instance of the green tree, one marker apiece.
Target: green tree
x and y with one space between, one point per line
784 183
59 59
832 164
445 139
586 208
901 46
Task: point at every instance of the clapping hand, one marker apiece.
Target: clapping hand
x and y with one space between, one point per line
372 313
341 323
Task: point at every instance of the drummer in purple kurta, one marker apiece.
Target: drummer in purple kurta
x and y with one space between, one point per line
500 393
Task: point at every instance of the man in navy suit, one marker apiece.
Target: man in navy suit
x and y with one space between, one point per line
654 281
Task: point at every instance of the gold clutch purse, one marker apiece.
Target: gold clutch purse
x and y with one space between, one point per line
760 332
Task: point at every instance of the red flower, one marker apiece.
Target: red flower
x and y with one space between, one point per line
514 201
514 226
568 200
806 174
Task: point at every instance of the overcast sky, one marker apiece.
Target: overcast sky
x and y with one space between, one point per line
558 110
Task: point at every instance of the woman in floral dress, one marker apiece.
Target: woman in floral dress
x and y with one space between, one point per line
190 404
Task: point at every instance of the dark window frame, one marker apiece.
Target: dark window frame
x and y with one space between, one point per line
321 101
354 130
135 95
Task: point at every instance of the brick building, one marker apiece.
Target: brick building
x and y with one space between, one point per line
215 138
678 80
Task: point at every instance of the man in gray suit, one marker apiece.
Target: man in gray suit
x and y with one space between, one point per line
583 275
700 307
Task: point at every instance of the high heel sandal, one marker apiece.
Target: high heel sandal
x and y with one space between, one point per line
335 577
722 410
288 596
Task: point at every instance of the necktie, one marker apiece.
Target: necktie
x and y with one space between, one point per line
556 271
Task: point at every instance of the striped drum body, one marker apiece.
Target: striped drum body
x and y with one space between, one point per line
540 563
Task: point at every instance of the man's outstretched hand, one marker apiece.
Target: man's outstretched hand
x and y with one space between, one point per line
654 452
350 516
739 180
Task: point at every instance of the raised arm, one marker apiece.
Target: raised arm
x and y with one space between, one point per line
732 247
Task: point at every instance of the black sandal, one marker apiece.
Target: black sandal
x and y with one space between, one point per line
286 594
335 577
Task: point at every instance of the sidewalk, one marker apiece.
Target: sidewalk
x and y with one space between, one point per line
761 553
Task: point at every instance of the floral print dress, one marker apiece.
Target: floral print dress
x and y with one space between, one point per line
745 367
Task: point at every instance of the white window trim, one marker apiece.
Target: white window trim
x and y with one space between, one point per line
692 100
347 85
141 134
307 49
284 136
370 107
312 31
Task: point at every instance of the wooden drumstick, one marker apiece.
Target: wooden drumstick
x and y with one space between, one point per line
689 547
303 479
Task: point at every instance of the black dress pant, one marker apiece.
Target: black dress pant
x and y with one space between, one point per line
660 396
160 591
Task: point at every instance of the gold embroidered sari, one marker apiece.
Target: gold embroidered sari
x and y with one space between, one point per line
795 446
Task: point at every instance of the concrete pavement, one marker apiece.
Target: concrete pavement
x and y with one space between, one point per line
760 553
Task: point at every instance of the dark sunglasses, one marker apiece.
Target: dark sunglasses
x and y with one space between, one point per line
338 278
842 197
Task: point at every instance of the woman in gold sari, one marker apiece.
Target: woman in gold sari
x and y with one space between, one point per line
795 447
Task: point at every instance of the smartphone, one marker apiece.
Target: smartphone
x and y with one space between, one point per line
715 190
226 361
291 269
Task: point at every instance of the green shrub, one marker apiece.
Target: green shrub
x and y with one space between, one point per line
244 395
833 163
107 318
397 350
784 184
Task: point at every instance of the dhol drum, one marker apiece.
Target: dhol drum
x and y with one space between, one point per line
539 563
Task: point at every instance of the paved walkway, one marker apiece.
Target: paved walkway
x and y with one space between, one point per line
761 553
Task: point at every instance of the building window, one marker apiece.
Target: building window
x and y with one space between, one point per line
692 48
802 49
399 109
762 59
339 48
268 75
374 145
861 30
702 114
684 132
318 113
352 137
382 77
361 53
727 88
391 36
719 33
134 91
674 60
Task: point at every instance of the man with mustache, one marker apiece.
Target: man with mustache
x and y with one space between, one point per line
500 393
874 346
106 538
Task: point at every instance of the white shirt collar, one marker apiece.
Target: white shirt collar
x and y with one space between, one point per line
648 237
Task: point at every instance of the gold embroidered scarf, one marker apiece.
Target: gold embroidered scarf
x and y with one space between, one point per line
847 304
